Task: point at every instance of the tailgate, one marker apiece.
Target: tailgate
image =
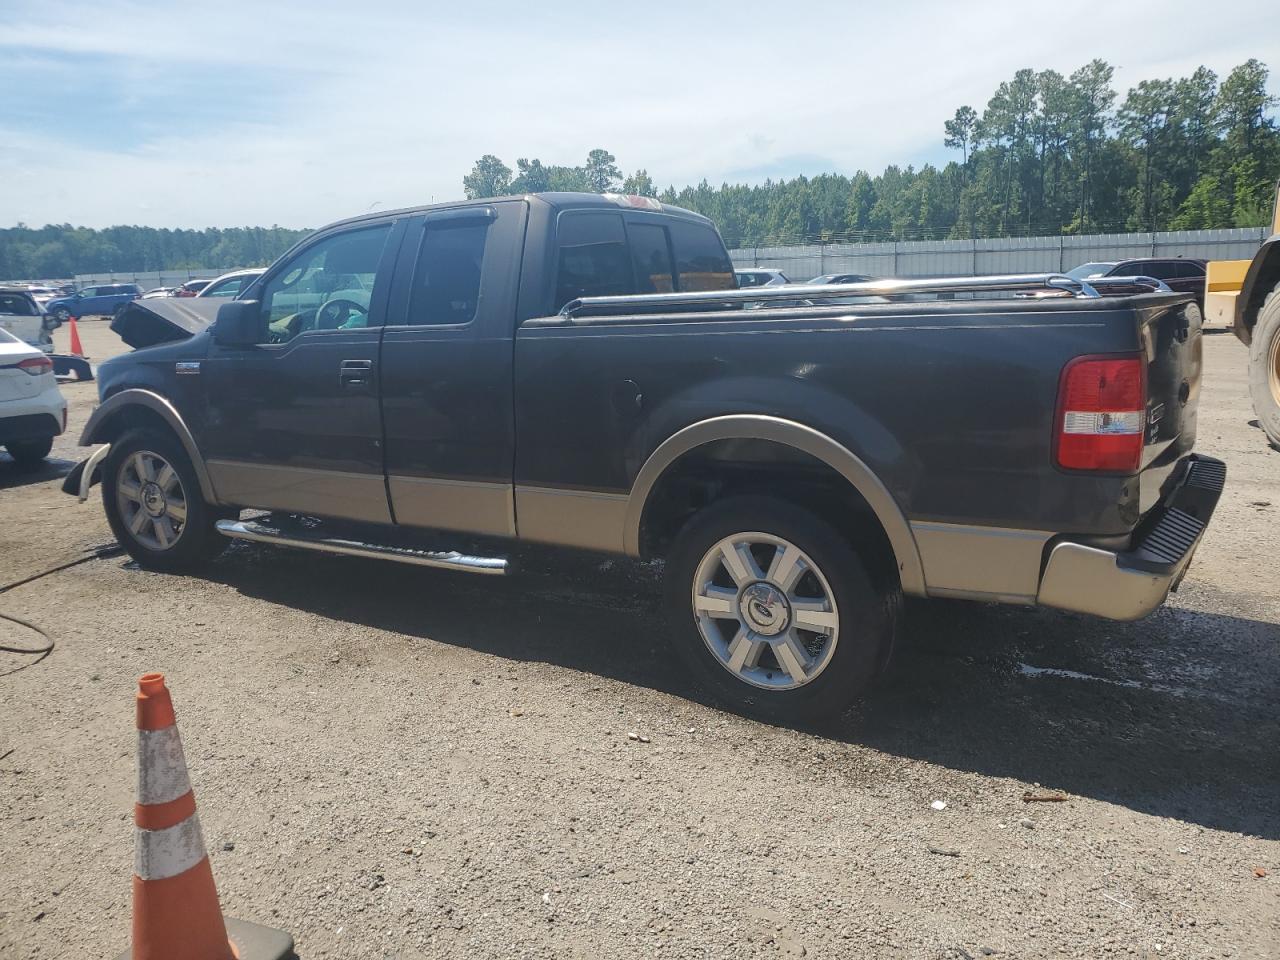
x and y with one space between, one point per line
1171 338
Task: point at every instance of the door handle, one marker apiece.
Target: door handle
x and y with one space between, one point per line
355 374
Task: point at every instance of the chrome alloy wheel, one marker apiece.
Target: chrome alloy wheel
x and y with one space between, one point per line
151 499
765 611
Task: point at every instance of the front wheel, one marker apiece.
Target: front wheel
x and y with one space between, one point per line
775 612
1264 369
63 314
153 503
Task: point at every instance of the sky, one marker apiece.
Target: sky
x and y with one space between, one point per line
260 112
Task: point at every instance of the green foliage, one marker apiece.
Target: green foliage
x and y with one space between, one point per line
1048 154
61 250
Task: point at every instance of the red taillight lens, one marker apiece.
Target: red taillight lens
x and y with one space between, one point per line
1101 413
36 366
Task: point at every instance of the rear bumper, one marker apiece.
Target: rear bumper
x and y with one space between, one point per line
31 426
1130 584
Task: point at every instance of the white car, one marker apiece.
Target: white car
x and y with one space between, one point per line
32 410
24 317
231 285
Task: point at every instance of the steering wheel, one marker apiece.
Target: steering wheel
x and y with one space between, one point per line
334 313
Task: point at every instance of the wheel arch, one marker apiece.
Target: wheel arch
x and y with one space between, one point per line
1261 279
801 438
142 408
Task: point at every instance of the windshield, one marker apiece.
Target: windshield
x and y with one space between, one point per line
1086 270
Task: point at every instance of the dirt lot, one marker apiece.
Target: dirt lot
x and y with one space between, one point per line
394 762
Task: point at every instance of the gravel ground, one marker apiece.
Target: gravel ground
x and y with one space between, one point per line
393 762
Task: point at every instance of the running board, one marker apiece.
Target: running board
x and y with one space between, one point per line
448 560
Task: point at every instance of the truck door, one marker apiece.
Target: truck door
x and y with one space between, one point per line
446 369
293 422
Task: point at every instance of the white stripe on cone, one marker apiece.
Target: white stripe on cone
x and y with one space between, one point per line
162 769
158 854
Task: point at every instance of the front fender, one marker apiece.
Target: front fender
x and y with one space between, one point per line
102 428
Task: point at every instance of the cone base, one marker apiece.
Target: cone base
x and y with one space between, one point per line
252 941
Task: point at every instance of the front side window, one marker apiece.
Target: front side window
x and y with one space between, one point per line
327 286
446 281
594 260
701 261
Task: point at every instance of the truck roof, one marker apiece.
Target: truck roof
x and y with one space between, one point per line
556 200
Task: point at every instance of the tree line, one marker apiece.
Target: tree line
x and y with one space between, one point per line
61 250
1048 154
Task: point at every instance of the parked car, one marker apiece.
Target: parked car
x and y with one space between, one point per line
22 315
841 278
191 288
230 285
32 410
105 300
760 278
158 292
511 377
42 294
1183 275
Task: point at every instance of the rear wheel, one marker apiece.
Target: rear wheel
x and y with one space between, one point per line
28 454
153 503
1264 368
775 612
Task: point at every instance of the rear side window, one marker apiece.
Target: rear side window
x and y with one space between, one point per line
1186 270
652 258
446 281
701 261
594 260
16 306
749 280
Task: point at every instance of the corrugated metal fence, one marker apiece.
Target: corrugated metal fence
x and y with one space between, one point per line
962 258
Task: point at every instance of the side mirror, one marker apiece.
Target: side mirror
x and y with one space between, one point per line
239 324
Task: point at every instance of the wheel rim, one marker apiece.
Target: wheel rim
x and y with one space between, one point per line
1273 369
765 611
152 501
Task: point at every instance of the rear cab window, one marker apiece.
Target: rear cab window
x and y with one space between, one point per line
603 254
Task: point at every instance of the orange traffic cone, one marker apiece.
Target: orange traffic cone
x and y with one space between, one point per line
76 348
176 915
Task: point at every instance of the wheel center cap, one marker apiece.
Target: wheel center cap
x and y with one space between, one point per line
153 499
764 609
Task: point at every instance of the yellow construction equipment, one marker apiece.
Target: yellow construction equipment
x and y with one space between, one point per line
1246 295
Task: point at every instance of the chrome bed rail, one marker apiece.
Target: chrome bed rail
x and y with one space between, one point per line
1051 283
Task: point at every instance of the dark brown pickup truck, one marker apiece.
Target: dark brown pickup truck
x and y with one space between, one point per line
426 385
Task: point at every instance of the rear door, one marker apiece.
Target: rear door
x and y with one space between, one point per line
446 369
293 422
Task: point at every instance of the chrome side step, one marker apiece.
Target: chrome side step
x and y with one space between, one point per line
451 560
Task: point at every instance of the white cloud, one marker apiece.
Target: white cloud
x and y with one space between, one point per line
390 103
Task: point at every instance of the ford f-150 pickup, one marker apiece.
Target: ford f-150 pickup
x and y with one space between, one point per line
429 384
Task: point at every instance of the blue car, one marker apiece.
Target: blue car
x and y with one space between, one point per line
106 300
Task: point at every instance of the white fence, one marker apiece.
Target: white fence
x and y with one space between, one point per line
963 258
148 279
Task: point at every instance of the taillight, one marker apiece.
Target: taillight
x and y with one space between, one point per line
36 366
1102 404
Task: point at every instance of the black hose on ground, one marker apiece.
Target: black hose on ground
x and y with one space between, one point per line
101 553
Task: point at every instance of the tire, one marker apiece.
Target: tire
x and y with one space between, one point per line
1264 368
63 314
29 454
741 647
162 521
